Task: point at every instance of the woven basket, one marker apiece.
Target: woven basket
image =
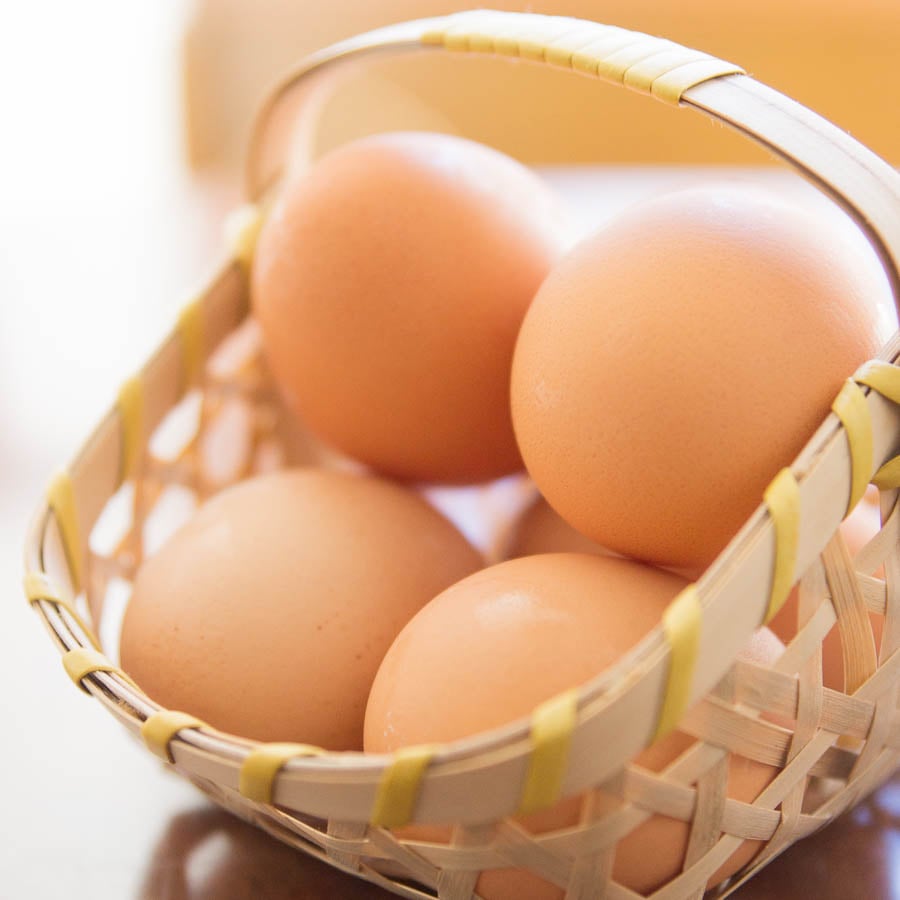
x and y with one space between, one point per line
345 807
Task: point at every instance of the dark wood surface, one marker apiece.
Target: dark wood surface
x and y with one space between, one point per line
102 236
852 858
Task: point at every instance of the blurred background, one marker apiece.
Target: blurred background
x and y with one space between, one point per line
122 129
829 54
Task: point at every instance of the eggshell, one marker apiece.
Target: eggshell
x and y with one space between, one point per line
673 362
390 282
540 529
268 613
857 530
493 646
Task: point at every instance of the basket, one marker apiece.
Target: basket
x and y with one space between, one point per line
830 747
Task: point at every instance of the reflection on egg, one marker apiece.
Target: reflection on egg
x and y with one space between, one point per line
492 647
268 613
673 362
390 282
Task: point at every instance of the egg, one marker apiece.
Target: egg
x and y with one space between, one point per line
540 529
675 360
390 281
863 523
492 647
268 613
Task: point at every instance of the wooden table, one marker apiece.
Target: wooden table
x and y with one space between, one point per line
102 236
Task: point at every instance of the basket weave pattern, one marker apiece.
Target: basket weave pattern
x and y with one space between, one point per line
830 747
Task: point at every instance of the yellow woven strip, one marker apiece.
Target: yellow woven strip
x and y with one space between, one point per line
669 86
481 43
262 765
887 478
586 59
61 499
159 729
613 66
529 48
130 404
552 725
395 799
652 65
641 75
242 228
851 408
39 587
81 661
880 376
190 335
681 624
458 42
509 39
782 497
434 38
559 52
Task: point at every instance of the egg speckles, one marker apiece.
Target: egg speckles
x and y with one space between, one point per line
390 282
673 362
268 614
492 647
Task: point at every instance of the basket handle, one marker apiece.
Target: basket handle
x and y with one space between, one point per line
858 180
562 748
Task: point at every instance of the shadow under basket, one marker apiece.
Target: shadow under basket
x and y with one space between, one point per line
206 384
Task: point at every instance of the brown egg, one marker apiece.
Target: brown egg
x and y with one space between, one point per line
390 282
857 530
268 613
492 647
540 529
673 362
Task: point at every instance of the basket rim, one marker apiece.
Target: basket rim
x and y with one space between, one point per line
114 691
765 116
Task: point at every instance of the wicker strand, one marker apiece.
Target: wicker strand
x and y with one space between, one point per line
398 789
261 767
160 729
130 405
190 338
845 743
651 65
782 498
851 408
84 661
552 724
39 587
242 229
61 500
681 622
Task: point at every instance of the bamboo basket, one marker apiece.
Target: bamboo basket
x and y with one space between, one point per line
345 807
